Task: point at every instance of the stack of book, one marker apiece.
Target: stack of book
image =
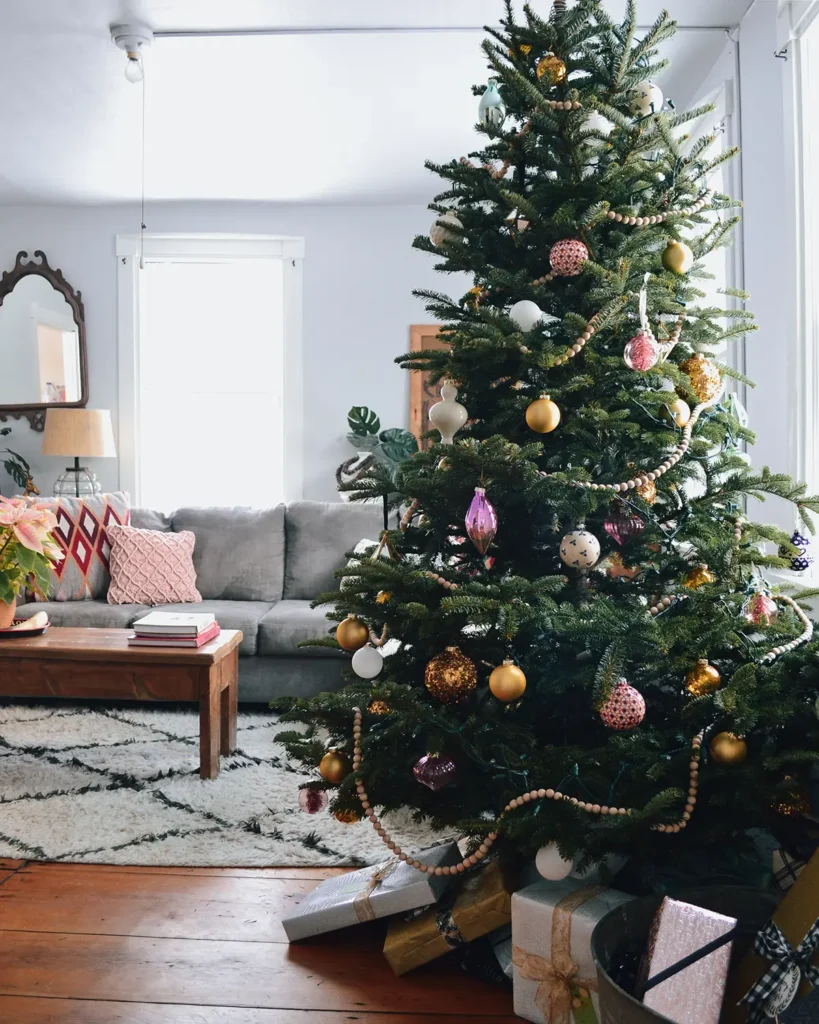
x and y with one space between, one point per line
174 629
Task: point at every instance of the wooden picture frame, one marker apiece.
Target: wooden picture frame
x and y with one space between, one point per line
423 338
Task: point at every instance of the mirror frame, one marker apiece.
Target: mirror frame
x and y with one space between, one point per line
24 265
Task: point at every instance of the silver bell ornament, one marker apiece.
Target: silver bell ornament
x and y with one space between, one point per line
448 416
492 109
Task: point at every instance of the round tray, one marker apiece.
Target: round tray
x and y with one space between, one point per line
19 629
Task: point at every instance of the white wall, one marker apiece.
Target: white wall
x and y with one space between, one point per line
359 272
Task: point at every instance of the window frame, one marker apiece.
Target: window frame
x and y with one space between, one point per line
203 246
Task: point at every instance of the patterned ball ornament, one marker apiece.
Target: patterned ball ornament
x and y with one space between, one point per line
543 415
580 549
706 379
450 676
567 257
641 353
803 560
678 257
625 707
646 98
678 412
551 69
352 633
726 748
334 767
760 609
507 682
702 679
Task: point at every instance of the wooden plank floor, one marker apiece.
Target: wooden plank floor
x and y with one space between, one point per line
84 944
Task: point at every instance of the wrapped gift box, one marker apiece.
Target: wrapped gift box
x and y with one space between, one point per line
554 977
501 942
786 869
389 888
694 994
481 904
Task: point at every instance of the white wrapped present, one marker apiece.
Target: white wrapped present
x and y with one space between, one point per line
554 977
379 891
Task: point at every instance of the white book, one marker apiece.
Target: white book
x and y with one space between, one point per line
173 623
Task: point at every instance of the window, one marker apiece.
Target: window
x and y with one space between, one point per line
210 370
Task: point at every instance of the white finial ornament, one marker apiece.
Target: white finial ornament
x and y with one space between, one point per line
448 416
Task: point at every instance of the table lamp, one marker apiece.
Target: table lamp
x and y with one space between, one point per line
78 433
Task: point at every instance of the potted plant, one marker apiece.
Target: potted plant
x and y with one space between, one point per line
17 468
374 447
27 551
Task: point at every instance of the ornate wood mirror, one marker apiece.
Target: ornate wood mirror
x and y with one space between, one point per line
43 360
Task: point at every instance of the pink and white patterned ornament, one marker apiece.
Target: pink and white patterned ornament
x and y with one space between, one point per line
312 800
625 708
641 353
567 257
760 609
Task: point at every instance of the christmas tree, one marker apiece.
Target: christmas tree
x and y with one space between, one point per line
566 644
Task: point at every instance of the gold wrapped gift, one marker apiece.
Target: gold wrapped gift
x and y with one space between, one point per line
482 904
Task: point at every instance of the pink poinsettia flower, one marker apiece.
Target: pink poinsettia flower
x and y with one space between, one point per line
28 525
52 551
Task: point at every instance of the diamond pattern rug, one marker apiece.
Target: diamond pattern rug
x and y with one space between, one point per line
121 786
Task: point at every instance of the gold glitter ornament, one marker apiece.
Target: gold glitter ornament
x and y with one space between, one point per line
346 817
379 707
552 69
726 748
450 676
476 296
334 767
648 490
699 576
524 49
794 801
382 596
507 682
706 379
702 679
352 633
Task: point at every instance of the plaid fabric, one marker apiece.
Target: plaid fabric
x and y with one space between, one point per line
786 869
771 944
82 535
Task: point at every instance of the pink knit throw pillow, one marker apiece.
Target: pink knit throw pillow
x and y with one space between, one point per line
151 567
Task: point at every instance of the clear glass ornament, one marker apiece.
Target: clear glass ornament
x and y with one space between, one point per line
641 353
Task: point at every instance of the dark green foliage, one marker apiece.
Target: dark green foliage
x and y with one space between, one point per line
575 634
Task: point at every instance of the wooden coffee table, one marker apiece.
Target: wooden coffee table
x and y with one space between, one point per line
99 663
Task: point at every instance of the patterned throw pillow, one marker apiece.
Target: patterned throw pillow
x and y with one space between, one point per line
82 533
151 567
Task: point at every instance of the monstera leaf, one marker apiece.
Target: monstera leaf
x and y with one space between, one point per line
363 422
397 444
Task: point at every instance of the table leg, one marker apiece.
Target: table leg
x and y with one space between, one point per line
209 714
230 704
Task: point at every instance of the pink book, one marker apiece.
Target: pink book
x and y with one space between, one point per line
136 640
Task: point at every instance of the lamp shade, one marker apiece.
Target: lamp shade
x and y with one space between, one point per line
79 432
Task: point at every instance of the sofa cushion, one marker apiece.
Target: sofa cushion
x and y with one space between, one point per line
151 567
147 519
239 552
319 534
94 614
244 615
288 623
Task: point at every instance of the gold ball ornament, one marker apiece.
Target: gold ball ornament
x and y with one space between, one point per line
507 682
702 679
334 767
678 412
648 490
699 576
726 748
352 633
379 707
678 257
706 379
543 415
346 817
450 676
552 69
476 296
382 596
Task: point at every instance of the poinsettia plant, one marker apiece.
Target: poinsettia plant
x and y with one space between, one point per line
27 548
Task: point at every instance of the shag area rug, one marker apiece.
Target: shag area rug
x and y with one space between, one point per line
121 786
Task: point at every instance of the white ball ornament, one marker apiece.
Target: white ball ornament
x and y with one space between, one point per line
442 228
550 865
448 416
580 549
525 314
646 98
595 122
367 662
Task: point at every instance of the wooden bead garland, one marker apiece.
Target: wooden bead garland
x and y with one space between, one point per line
406 518
379 641
804 637
660 218
442 580
518 801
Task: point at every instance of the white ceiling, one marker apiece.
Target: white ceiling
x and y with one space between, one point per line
327 117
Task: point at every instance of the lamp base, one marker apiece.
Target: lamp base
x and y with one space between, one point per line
76 482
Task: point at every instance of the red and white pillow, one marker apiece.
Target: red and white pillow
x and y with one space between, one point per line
151 567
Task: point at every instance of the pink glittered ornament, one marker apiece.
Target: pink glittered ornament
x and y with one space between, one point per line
641 353
481 521
760 609
622 525
312 800
625 708
567 257
435 771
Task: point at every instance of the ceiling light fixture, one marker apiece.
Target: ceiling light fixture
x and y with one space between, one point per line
132 39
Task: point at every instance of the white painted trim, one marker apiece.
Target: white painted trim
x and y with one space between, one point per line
193 247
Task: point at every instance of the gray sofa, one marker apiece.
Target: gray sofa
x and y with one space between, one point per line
257 570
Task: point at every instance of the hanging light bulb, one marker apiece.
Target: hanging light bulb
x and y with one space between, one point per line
133 68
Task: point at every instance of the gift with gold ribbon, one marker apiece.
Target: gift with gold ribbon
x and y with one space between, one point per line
554 977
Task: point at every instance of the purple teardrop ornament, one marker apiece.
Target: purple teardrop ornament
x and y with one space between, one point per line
623 525
481 521
435 771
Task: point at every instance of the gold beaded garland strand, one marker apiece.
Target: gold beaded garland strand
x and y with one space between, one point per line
519 801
